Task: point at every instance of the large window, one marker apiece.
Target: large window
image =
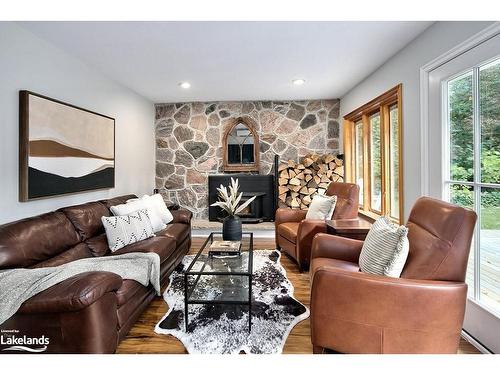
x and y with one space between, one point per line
373 154
472 170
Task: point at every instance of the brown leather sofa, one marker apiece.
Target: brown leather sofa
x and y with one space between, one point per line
91 312
294 233
421 312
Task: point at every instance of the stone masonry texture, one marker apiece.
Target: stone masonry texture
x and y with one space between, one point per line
189 140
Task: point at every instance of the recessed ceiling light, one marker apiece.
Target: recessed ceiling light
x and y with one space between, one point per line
298 82
185 85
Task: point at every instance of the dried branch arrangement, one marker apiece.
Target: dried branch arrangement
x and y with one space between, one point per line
229 198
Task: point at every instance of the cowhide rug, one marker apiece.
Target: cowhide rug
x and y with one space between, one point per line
223 329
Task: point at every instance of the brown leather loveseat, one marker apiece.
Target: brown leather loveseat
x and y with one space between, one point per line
91 312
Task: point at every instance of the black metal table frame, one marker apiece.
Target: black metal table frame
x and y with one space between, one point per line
189 291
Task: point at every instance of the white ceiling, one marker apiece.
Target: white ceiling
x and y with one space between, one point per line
232 60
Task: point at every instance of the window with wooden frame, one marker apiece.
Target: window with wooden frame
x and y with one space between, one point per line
373 140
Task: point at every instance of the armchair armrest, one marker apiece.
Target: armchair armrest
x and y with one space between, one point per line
308 229
335 247
72 294
288 215
400 315
182 216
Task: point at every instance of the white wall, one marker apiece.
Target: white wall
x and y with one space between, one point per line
28 62
404 67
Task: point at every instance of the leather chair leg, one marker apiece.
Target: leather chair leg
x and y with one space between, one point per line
303 267
318 349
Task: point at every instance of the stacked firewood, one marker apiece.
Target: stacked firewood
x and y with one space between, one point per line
298 182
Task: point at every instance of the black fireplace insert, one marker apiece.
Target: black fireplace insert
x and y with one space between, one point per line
261 186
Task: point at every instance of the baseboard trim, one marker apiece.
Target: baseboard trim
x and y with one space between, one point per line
467 337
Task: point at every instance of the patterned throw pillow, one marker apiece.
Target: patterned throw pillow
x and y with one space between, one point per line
385 249
127 229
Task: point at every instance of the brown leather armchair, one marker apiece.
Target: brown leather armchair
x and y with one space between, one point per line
421 312
294 233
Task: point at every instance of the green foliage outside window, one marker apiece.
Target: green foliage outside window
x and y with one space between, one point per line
462 134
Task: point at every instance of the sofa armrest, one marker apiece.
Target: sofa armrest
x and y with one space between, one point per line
308 229
335 247
289 215
72 294
182 216
286 215
394 305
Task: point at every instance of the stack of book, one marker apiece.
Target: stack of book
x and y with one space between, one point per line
225 248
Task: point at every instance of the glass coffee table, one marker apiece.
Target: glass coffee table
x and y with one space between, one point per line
211 280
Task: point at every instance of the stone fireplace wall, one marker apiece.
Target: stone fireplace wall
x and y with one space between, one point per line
189 136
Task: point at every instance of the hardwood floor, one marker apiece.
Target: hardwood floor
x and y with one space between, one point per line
142 338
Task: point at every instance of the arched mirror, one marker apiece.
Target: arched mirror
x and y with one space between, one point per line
241 146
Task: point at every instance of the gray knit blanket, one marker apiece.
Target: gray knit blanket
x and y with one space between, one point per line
20 284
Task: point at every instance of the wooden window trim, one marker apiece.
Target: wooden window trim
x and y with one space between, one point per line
355 154
380 104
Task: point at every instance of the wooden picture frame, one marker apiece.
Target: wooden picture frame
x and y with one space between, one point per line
241 167
63 149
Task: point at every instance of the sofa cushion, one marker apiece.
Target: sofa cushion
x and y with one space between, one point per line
131 288
29 241
117 200
163 246
80 251
289 231
98 245
179 232
86 218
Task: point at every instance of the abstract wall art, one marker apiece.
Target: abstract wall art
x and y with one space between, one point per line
63 149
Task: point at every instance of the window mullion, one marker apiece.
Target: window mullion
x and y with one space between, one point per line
354 153
385 159
366 164
477 182
400 141
445 119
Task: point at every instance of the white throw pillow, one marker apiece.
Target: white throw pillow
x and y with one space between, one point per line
155 202
322 207
127 229
161 207
385 249
136 205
